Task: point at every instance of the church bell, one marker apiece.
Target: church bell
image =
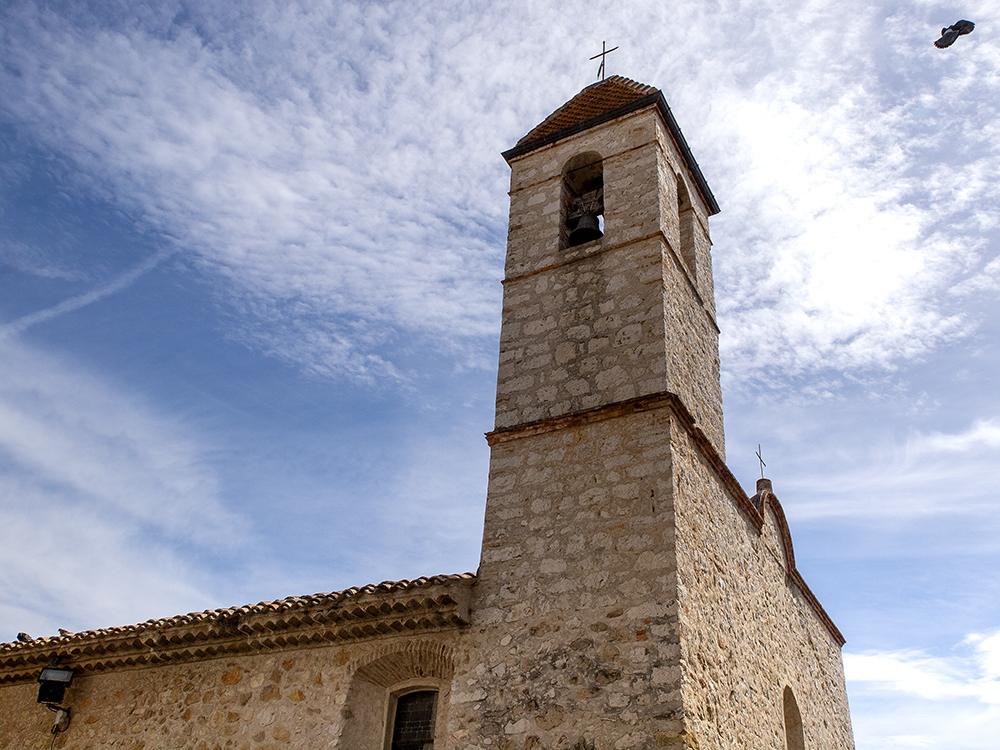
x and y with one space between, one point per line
587 228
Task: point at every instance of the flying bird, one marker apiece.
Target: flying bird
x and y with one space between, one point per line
953 32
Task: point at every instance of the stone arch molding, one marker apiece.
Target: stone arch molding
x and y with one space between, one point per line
384 675
766 502
770 502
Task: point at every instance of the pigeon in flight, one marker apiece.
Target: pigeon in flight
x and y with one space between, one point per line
953 32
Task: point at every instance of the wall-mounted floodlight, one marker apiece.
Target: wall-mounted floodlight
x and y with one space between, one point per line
53 682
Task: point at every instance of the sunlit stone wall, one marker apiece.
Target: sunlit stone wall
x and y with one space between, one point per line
327 697
748 631
616 318
575 608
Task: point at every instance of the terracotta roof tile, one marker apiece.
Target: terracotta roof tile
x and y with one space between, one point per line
593 101
211 615
604 101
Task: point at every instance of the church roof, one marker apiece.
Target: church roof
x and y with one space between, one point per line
386 608
605 101
592 102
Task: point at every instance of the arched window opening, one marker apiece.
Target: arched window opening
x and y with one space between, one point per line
794 738
583 199
413 720
399 699
686 220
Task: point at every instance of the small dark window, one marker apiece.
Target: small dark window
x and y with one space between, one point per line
583 199
413 724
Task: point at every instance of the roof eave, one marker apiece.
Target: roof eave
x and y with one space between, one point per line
426 605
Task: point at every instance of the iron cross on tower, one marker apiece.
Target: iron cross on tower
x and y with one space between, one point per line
604 53
762 464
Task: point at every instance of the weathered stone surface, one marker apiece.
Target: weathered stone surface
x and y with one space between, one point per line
582 579
619 317
748 630
299 698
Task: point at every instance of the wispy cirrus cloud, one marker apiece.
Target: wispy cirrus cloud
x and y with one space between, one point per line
327 209
63 429
21 324
346 187
99 495
927 474
974 675
863 195
984 435
74 566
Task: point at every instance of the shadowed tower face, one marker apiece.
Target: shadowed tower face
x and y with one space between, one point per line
607 474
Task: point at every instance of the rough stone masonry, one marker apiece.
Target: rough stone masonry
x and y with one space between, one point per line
630 593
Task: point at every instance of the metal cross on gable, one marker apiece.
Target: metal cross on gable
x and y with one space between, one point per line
762 464
604 53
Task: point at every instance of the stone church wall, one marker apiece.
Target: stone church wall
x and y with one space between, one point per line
284 700
748 631
574 610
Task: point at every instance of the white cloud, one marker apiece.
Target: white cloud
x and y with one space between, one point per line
65 428
857 175
930 677
338 166
914 699
19 256
330 212
851 213
99 495
75 303
928 474
987 280
984 434
69 566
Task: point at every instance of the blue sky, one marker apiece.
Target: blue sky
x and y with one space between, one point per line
249 302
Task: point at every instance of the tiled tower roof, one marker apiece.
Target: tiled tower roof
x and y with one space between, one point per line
602 102
593 101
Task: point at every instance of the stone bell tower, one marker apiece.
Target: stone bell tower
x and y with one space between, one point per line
629 314
630 593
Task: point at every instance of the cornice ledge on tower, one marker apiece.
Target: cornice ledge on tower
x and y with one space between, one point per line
584 416
647 402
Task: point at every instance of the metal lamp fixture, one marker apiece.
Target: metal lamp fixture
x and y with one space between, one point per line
53 682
